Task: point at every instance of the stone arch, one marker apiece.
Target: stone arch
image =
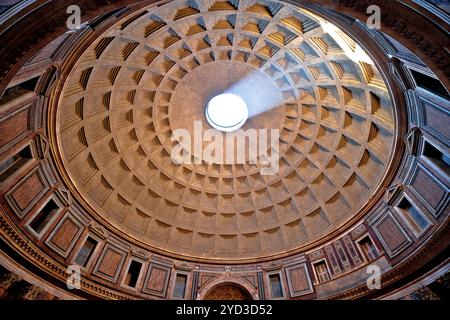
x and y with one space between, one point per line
236 284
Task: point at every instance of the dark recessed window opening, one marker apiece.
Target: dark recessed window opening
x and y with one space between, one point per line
44 216
11 165
437 157
412 215
368 249
102 18
275 286
86 252
19 90
180 286
429 83
321 271
133 274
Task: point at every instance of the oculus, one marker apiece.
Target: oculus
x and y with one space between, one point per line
226 112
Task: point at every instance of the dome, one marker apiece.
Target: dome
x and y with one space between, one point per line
145 78
226 141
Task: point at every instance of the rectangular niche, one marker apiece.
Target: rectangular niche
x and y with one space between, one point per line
14 163
179 288
367 248
429 83
133 273
321 271
86 251
416 220
440 159
19 90
276 286
41 221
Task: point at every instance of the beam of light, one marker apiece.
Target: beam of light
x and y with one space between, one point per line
351 49
258 92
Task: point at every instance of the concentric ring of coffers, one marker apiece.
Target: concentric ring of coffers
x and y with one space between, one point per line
114 129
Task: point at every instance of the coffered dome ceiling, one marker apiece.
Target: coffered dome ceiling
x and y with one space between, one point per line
155 72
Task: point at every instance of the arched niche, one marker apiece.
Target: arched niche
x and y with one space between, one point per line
229 289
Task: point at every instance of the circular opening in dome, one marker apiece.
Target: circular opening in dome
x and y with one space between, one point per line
226 112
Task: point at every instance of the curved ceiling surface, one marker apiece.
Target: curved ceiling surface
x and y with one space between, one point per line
155 72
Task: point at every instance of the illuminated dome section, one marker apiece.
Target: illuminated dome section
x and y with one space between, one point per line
157 71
